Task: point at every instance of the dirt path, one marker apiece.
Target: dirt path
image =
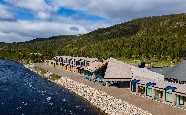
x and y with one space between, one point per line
153 107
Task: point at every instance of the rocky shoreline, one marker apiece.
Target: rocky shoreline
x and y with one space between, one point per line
109 104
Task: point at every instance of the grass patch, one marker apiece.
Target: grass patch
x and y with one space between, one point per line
152 62
163 64
55 77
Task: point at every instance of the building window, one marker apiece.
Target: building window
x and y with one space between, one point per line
133 87
141 89
180 100
168 96
149 91
158 94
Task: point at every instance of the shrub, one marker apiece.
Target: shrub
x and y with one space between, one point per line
54 77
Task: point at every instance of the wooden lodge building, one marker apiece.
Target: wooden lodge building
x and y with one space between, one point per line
107 72
95 71
153 86
117 71
71 64
141 81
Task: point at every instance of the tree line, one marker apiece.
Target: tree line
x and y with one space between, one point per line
150 38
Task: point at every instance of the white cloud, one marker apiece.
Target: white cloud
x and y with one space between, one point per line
39 7
13 37
113 9
5 13
43 15
35 5
12 31
27 30
48 23
125 9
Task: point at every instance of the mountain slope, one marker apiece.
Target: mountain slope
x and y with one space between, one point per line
152 39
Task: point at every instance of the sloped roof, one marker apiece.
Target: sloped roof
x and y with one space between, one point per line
88 59
117 70
77 58
145 76
144 73
177 71
181 88
95 66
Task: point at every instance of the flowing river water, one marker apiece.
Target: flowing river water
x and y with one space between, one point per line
23 92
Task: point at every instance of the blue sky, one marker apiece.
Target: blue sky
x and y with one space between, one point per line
23 20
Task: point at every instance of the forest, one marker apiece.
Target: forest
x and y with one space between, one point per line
157 40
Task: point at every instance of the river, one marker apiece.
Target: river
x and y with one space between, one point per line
23 92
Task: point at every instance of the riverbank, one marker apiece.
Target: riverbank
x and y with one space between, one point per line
23 92
102 100
125 94
105 102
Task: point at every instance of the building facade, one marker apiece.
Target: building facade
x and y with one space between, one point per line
71 64
153 86
142 81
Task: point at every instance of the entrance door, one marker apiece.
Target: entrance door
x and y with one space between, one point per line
133 88
149 91
168 96
141 89
179 100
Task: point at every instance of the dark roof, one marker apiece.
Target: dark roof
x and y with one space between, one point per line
178 72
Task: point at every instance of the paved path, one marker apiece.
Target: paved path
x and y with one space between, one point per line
153 107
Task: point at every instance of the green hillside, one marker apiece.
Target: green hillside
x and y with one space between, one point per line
160 40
